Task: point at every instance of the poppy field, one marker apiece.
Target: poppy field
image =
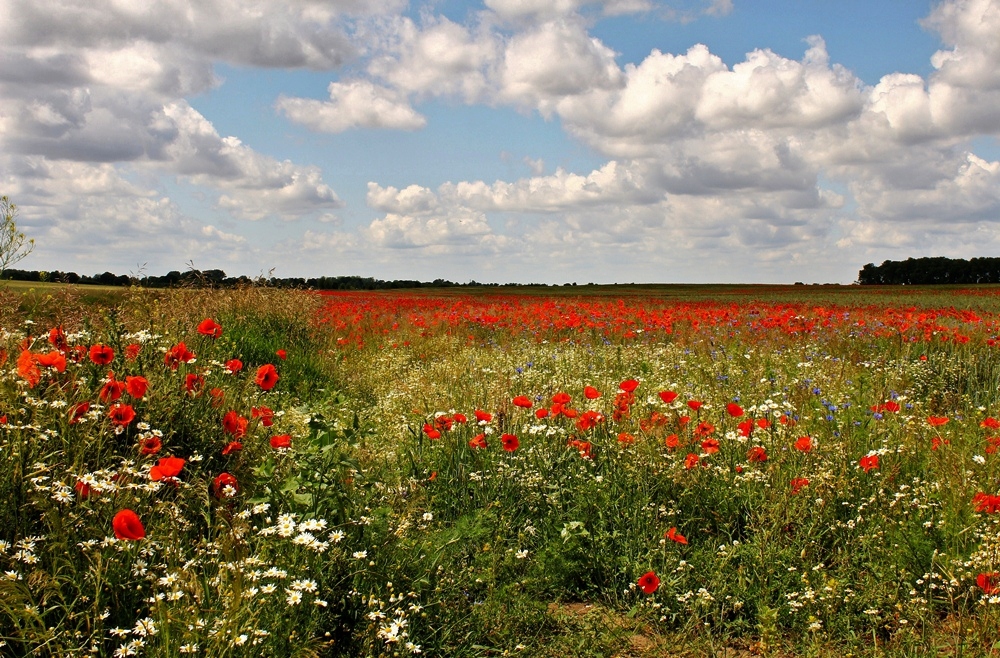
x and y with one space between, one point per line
623 471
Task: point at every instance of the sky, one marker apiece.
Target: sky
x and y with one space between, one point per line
502 141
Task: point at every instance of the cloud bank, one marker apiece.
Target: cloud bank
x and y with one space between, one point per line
767 169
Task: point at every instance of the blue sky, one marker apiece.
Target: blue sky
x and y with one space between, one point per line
504 140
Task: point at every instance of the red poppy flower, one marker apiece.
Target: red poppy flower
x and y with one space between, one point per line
266 377
625 439
583 447
648 582
121 414
235 424
111 391
225 485
522 401
234 365
589 420
691 460
477 442
282 354
591 393
128 526
756 455
797 484
209 327
194 384
83 489
167 467
541 413
264 413
667 396
710 446
482 416
460 418
804 444
132 351
703 429
136 386
868 462
77 411
281 441
695 404
561 398
27 368
989 582
936 421
431 432
510 442
57 338
986 503
937 442
672 441
734 410
991 423
629 385
675 536
231 447
218 397
55 360
102 355
888 406
177 355
150 445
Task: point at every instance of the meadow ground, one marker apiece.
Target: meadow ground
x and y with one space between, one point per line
580 471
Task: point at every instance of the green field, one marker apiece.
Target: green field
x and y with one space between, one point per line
571 471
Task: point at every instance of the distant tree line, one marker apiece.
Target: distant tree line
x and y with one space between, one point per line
218 279
924 271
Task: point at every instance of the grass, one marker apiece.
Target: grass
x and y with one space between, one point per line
382 530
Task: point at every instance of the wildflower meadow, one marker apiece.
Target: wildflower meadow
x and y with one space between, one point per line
607 471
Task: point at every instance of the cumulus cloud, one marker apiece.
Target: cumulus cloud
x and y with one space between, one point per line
89 218
969 28
102 82
440 58
438 233
300 33
555 61
353 104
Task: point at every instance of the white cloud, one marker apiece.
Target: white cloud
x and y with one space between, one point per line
554 61
440 58
970 192
411 199
437 233
89 218
353 104
719 8
970 28
770 91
